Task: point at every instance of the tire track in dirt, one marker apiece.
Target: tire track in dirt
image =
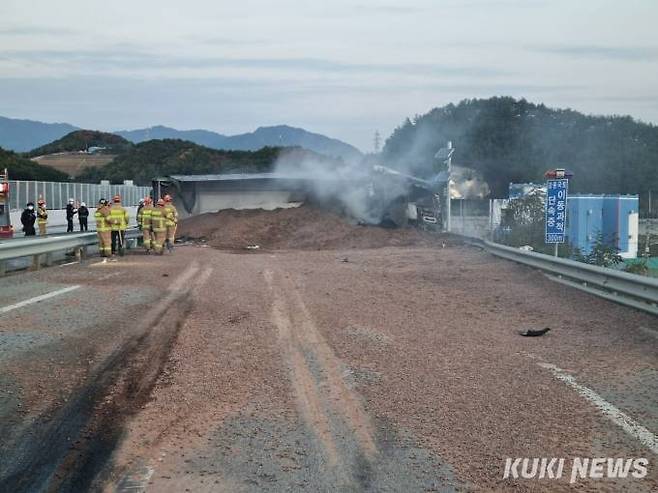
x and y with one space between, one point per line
330 408
136 478
82 436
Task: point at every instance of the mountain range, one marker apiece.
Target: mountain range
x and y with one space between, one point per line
26 135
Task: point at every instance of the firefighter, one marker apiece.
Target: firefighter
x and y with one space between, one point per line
103 228
118 223
171 216
42 216
158 227
144 220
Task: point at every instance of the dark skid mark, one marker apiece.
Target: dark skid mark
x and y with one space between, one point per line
73 446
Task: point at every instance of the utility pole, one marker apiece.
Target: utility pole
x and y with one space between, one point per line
445 155
377 142
448 194
650 203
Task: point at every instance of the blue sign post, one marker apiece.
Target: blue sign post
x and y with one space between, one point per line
556 211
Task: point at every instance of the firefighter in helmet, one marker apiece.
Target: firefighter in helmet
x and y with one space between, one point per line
42 216
118 223
144 220
171 217
103 228
158 227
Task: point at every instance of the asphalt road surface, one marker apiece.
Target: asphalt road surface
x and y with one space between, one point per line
391 369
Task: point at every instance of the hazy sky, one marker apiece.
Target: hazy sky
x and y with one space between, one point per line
342 68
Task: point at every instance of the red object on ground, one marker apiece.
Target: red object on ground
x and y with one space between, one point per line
6 231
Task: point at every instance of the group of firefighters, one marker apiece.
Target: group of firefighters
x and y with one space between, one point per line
157 224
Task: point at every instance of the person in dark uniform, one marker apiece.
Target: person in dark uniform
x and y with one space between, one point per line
28 218
70 212
83 214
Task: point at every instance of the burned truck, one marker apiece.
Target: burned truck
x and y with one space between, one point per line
402 199
375 195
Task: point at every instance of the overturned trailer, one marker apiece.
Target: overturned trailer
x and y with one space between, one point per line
375 196
198 194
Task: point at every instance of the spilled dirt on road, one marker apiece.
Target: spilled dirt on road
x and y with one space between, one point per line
330 409
352 369
299 228
256 400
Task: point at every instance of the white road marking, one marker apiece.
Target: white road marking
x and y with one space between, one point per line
68 263
36 299
617 416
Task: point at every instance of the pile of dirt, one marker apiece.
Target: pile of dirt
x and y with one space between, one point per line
303 228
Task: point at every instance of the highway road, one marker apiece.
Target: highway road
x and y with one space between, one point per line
387 369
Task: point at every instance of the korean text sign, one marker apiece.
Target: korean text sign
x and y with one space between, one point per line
556 210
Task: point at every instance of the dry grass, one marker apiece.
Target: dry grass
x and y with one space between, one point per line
74 163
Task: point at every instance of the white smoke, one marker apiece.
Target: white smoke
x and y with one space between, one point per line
351 187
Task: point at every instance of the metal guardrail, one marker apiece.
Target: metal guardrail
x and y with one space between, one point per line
628 289
39 248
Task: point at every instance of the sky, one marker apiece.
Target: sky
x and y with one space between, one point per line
341 68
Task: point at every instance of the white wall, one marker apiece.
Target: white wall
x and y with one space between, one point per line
633 236
213 201
57 220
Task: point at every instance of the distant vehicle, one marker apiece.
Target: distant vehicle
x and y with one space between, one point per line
6 229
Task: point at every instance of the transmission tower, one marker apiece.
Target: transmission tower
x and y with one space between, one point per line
377 142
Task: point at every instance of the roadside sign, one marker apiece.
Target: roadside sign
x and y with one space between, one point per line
556 210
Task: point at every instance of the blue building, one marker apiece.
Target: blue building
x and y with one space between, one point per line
616 217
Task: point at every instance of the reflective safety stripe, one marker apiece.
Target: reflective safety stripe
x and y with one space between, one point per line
101 221
171 214
157 220
146 216
118 218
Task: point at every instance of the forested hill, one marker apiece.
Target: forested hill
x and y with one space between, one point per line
142 162
81 140
512 140
20 168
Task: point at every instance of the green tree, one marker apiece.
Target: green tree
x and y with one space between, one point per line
604 253
523 222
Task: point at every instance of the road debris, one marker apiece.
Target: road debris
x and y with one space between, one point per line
534 332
